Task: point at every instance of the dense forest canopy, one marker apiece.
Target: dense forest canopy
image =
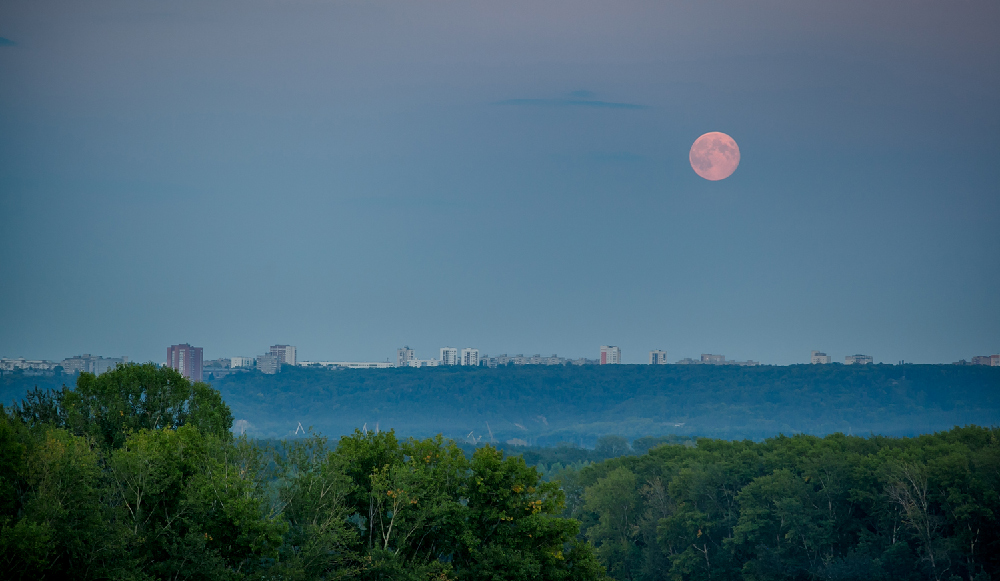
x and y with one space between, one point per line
798 508
544 405
136 474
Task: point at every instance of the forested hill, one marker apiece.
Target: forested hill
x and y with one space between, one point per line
544 405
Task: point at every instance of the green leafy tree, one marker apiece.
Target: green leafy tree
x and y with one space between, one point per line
514 531
131 397
190 510
313 493
615 499
54 523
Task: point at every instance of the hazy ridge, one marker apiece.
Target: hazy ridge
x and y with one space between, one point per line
545 405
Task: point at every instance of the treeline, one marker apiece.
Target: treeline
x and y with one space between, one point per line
135 475
567 456
798 508
545 405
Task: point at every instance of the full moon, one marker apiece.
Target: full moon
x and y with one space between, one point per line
714 156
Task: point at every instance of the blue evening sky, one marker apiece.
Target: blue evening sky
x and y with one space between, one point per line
353 176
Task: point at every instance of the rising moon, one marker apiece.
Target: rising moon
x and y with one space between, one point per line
714 156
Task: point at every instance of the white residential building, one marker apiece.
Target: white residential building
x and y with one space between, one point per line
470 356
818 358
404 355
449 356
350 364
10 364
857 360
423 363
286 353
657 357
241 362
93 364
610 355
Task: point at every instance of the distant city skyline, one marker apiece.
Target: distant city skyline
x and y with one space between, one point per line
190 362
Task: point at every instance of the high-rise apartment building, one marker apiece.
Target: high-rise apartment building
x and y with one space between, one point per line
657 357
470 356
404 355
449 356
610 355
187 360
286 353
269 363
857 359
819 358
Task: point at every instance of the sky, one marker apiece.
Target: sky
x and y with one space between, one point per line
351 177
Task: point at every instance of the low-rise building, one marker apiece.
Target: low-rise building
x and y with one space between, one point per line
350 364
364 364
858 360
423 363
218 368
32 366
992 360
94 364
710 359
242 362
536 359
819 358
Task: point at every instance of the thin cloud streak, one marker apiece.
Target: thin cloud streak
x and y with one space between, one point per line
570 103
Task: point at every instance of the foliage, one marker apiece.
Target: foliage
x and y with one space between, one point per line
375 507
134 475
800 508
131 397
546 405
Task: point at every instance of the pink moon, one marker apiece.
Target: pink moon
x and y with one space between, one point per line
714 156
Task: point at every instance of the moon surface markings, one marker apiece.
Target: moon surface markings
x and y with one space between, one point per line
714 156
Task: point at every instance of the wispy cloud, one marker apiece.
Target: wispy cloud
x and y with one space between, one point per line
569 103
6 42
